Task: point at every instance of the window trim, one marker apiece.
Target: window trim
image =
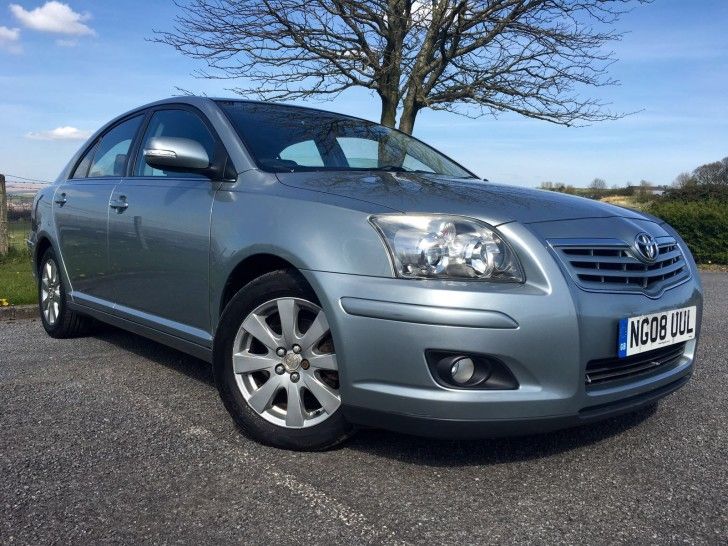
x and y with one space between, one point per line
221 153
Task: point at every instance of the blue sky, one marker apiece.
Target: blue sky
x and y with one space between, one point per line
80 65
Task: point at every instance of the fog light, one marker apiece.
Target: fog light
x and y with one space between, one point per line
462 370
469 371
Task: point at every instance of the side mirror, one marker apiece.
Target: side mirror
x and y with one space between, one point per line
176 154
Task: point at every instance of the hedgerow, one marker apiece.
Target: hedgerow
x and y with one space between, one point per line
702 223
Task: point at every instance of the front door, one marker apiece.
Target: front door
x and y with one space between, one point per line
81 211
159 236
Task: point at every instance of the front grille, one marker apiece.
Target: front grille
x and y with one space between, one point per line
614 267
613 369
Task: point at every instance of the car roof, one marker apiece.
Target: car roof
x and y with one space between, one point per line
198 101
192 100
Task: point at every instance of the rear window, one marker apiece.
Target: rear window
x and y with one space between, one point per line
112 152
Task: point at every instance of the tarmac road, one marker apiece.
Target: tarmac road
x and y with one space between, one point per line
114 438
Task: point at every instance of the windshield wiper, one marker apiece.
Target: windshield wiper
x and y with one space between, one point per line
397 169
393 169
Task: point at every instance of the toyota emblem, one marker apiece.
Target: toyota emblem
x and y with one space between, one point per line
646 247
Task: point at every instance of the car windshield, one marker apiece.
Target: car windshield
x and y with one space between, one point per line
290 139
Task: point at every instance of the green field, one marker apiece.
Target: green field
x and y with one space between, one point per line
17 285
18 233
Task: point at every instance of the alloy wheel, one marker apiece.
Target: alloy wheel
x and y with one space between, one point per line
285 364
50 292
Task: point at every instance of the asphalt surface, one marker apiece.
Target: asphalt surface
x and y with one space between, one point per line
114 438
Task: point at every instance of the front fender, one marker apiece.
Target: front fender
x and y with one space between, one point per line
311 235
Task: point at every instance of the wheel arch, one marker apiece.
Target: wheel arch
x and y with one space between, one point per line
247 270
43 244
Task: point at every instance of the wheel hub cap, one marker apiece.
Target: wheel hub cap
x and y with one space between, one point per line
284 363
50 292
292 362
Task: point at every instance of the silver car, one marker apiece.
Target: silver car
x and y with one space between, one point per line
338 274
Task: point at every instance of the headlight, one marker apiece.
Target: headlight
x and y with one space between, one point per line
447 247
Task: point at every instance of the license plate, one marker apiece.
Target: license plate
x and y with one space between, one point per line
648 332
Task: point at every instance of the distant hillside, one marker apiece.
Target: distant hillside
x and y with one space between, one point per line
16 187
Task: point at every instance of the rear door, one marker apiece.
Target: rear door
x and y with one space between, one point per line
81 211
159 238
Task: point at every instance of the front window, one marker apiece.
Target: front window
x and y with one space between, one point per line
289 139
179 124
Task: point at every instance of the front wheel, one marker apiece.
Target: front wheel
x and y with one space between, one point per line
276 368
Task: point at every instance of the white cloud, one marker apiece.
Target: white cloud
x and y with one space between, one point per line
54 17
60 133
9 34
9 39
67 43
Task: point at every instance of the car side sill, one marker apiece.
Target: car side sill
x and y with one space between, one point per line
427 314
176 329
175 342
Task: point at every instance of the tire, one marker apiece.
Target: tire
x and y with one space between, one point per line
58 320
260 388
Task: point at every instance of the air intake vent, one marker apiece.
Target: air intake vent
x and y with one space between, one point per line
614 267
614 369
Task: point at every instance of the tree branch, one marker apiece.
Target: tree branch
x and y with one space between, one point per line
537 58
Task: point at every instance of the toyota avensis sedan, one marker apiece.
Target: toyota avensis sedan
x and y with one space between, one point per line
338 273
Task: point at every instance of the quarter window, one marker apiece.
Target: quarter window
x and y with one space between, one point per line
360 153
82 168
178 124
412 164
303 153
112 152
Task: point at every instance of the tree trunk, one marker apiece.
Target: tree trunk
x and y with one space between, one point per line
408 117
3 217
389 111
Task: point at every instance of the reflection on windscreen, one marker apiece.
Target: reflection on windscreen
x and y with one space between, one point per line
290 139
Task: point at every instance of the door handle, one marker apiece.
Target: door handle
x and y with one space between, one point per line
120 204
60 201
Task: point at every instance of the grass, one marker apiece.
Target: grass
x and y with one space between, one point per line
18 233
17 285
628 201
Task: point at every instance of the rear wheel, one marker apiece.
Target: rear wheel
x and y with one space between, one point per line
58 320
276 367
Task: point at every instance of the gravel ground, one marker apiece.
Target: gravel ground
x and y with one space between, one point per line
114 438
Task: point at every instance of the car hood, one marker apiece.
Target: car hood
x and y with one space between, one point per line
493 203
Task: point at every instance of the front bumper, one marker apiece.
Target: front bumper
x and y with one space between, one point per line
545 331
472 428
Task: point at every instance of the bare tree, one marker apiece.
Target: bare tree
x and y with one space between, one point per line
473 57
684 180
644 190
712 174
598 184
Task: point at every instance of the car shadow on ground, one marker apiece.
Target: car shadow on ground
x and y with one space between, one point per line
402 447
489 451
156 352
